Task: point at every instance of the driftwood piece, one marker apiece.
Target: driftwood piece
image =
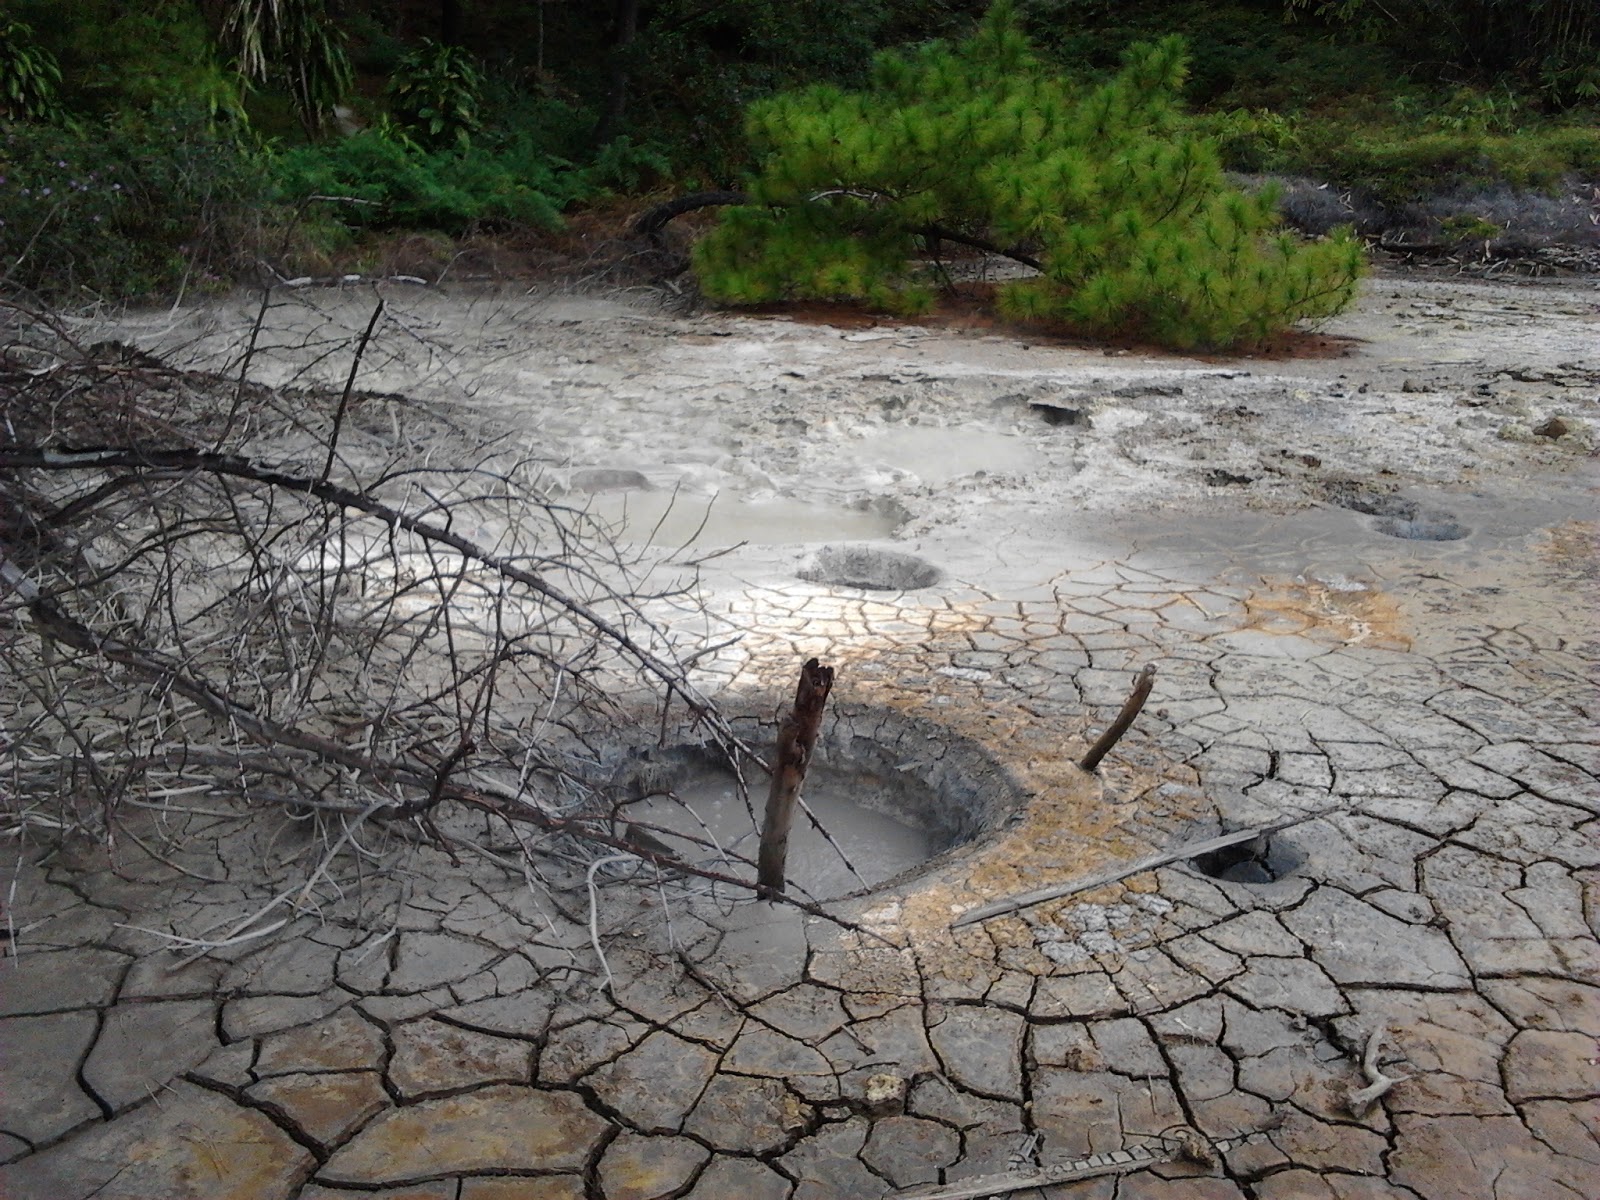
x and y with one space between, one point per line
1138 867
1361 1100
796 739
1131 707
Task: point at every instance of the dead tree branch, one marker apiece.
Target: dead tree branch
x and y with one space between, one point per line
1142 683
211 624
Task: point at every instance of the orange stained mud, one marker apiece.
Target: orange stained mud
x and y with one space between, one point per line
1365 616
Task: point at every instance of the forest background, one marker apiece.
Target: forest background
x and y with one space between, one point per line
172 145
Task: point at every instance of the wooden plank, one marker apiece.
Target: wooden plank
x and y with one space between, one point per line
1166 858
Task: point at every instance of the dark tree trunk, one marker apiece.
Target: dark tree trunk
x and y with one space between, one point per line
624 27
450 22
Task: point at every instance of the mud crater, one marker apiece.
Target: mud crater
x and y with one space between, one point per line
899 795
1393 515
869 568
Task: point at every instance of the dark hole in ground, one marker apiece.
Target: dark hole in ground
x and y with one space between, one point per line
1260 860
1060 414
870 569
1424 527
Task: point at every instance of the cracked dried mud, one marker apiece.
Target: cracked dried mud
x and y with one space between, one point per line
1367 581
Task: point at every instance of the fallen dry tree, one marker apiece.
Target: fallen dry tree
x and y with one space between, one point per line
327 610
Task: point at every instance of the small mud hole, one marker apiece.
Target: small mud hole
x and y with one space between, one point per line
1395 516
1260 860
895 793
1424 527
608 479
870 569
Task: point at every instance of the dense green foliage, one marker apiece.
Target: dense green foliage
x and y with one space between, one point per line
436 93
489 113
1406 150
29 75
118 58
124 208
1550 44
391 182
292 43
1135 226
1400 105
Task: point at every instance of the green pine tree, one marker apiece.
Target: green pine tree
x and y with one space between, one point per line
1133 225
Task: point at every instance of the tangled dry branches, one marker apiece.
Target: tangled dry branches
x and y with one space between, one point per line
227 610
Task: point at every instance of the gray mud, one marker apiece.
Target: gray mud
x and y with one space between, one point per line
1425 704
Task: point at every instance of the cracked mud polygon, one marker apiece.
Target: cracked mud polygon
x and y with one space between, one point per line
1367 582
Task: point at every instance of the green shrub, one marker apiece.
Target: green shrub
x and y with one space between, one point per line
403 185
124 209
1468 227
1251 139
1397 165
436 93
621 165
117 57
1135 226
30 77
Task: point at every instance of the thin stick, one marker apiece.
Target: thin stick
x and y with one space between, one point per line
796 740
1142 682
594 910
349 386
11 911
1138 867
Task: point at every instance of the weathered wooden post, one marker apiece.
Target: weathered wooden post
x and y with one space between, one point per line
797 737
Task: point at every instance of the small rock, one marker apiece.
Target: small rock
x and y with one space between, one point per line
885 1095
1552 427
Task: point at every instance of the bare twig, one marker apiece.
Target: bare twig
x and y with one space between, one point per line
349 386
194 605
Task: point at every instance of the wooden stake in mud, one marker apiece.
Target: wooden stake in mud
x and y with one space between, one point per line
797 737
1142 683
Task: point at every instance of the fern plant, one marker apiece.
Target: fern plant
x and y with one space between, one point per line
1129 218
